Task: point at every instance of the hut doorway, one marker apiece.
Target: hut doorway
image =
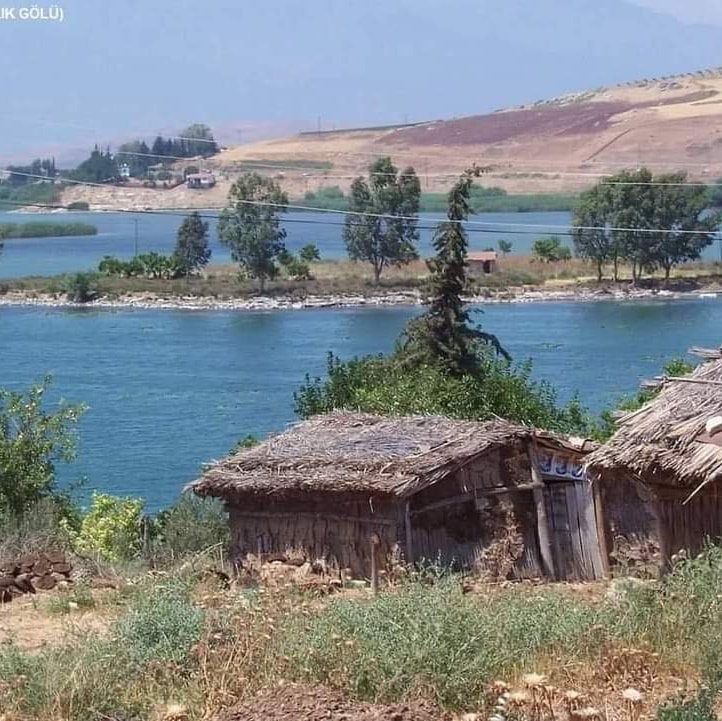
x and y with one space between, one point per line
572 518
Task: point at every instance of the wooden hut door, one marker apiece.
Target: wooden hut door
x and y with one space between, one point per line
575 541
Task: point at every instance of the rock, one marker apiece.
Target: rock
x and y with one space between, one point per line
45 582
62 567
41 567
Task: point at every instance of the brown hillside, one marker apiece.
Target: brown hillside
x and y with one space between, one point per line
563 144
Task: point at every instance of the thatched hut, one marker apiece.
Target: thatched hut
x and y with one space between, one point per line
347 488
659 475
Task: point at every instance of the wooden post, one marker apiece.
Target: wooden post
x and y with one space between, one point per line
407 524
545 547
601 526
662 535
375 541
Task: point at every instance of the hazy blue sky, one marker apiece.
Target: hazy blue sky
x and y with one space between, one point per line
119 68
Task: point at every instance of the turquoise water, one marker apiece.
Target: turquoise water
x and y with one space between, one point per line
116 236
168 391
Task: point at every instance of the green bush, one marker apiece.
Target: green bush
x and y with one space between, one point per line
78 205
550 250
191 525
82 287
435 639
699 708
111 528
161 627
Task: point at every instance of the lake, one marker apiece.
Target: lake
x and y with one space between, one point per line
157 232
170 390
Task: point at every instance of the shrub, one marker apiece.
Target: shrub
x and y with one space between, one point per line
78 205
111 528
82 287
434 639
191 525
550 250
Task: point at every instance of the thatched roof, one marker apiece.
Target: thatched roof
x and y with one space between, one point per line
665 442
356 452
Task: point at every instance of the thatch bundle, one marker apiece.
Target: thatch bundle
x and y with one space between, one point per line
665 442
355 452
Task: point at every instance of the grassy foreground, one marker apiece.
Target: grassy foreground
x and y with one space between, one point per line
174 640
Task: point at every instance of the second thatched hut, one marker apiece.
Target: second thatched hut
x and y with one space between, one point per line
660 475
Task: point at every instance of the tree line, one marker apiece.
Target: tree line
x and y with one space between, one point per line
648 221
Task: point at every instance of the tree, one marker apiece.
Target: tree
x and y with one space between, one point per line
443 335
505 246
32 441
683 227
550 249
309 253
377 238
592 238
251 228
191 250
378 384
197 139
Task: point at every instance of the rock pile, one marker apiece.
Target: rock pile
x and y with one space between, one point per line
33 572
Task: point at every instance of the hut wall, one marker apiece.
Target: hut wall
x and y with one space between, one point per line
475 520
335 531
631 528
688 526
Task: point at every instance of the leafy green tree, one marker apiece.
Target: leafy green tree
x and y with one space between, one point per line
383 241
198 139
378 384
505 246
250 225
33 440
192 251
100 167
593 239
685 229
550 249
309 253
444 335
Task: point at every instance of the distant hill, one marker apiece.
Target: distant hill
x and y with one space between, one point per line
558 144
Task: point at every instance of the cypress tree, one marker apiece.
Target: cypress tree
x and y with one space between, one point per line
444 334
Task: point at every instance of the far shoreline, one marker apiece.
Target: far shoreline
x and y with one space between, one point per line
150 301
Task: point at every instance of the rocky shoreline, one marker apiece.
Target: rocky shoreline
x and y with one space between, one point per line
150 301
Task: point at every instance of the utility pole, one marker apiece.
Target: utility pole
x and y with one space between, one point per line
135 220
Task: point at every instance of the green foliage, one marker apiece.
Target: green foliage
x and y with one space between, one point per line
496 200
248 441
443 336
147 265
649 221
100 167
81 287
383 241
39 192
111 528
376 384
435 638
550 250
309 253
606 426
330 197
190 525
505 246
250 225
699 708
192 251
161 628
78 205
45 230
196 139
32 441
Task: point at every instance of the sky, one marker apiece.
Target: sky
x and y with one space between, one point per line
120 69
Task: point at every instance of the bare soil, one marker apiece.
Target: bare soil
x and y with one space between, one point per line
298 703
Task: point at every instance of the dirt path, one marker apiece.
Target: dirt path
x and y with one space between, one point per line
296 703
